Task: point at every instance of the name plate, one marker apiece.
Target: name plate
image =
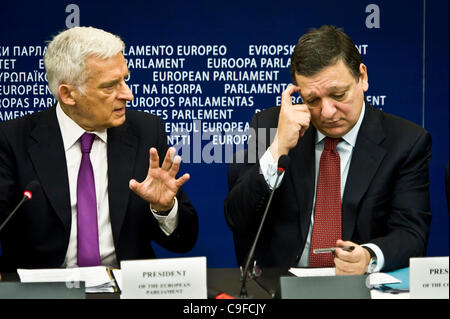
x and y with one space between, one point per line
428 278
172 278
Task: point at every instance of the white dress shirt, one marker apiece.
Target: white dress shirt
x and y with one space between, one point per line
345 149
71 133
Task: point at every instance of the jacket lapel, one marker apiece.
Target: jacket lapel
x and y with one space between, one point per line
366 158
47 154
122 146
302 178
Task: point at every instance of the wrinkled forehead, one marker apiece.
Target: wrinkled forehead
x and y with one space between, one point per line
97 67
333 78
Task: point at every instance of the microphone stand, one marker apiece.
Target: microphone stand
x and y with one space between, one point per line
27 194
25 198
243 293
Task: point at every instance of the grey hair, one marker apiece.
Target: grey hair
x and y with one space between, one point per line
66 55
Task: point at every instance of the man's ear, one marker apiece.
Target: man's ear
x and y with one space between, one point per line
67 94
364 78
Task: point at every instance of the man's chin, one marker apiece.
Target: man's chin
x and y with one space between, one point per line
334 132
119 112
118 121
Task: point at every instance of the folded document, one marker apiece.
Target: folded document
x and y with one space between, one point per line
397 280
97 279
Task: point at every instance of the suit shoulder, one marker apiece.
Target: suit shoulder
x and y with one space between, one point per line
135 116
267 117
401 126
25 123
402 134
143 124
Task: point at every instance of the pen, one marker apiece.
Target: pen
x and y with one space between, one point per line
332 249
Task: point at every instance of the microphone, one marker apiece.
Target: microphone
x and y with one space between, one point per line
283 163
27 195
216 294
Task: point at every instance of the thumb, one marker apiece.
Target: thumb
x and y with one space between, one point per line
133 184
182 180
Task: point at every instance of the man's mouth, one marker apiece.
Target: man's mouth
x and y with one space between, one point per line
120 110
331 123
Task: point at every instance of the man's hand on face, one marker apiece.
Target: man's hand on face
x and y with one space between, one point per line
293 122
161 185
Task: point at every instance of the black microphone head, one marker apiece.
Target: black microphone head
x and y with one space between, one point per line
283 162
31 188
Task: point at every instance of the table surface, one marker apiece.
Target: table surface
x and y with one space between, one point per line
219 280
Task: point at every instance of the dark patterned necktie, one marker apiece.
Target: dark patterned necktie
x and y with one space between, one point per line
328 216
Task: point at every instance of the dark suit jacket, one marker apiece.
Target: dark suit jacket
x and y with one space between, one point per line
31 148
385 201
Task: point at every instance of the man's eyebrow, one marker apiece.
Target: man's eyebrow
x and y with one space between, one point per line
339 88
113 81
109 83
307 96
335 88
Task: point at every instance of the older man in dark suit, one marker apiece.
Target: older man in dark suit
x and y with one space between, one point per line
357 177
86 153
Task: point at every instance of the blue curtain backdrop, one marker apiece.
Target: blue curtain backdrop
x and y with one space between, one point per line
210 65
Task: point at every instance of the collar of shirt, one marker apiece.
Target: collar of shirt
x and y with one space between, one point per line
71 131
351 135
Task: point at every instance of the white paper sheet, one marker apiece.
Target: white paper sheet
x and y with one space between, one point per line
96 278
380 278
313 272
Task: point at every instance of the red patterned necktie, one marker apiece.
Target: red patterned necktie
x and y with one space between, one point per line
327 217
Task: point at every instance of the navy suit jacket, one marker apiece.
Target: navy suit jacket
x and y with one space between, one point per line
385 201
31 148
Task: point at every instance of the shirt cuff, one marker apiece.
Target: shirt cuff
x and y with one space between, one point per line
268 168
379 254
168 223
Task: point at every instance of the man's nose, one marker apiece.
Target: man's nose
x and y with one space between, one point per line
125 92
328 108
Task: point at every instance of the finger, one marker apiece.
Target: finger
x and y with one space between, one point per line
302 111
347 268
353 256
347 256
291 89
340 243
175 166
286 98
154 159
286 95
344 268
168 159
134 185
301 107
304 122
182 180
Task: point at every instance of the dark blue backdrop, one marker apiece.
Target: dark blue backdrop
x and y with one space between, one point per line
406 56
